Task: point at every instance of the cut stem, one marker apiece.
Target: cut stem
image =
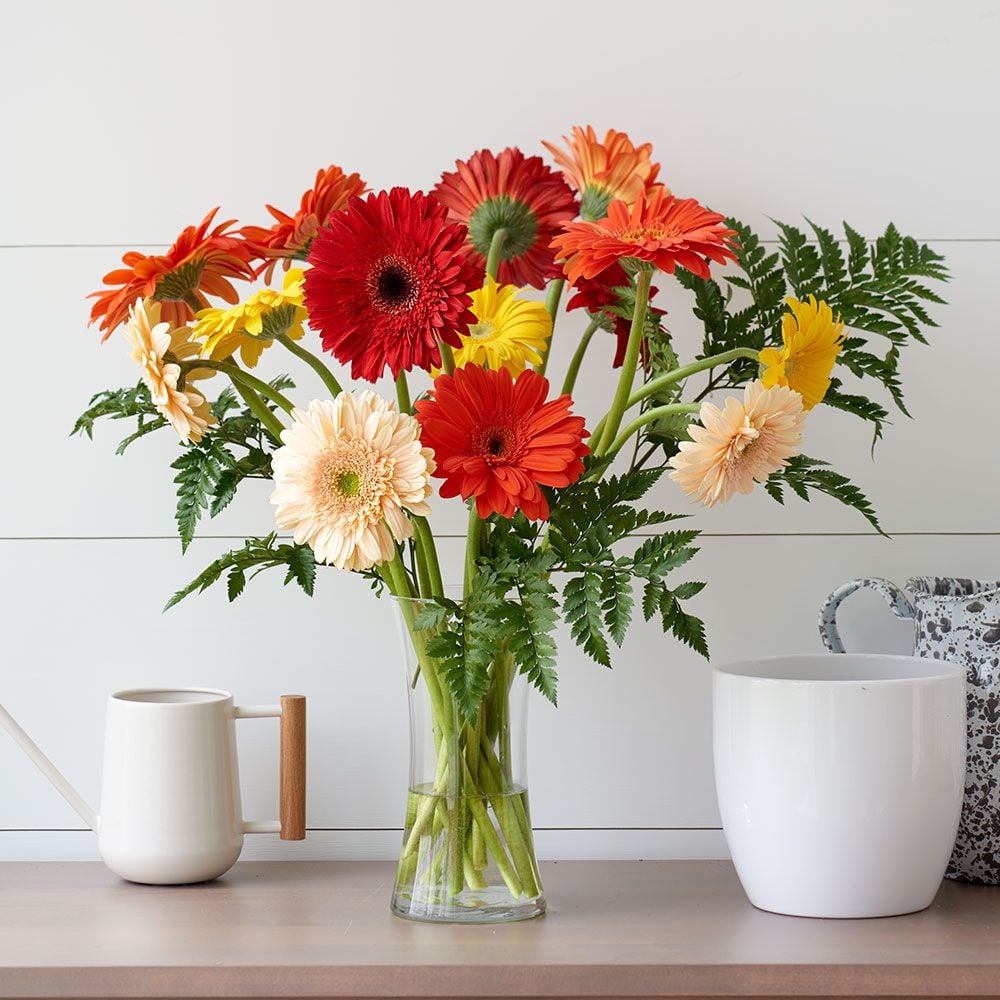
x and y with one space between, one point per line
403 393
326 376
259 409
647 417
629 365
552 296
581 349
496 249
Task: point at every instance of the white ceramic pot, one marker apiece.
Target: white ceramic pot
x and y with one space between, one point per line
840 779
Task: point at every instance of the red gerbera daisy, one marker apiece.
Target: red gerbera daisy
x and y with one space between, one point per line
514 192
199 263
390 278
291 235
664 231
607 293
498 440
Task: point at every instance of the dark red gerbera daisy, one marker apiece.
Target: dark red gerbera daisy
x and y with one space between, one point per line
497 439
611 292
390 278
515 192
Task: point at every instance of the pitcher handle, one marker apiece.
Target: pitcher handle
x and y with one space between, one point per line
894 597
292 712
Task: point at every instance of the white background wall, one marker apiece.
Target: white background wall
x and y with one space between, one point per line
123 122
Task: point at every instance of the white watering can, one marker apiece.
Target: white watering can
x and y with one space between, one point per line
170 795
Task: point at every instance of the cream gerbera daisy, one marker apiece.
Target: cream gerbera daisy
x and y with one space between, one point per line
509 333
252 325
346 472
739 445
157 349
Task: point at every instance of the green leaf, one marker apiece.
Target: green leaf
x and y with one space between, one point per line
466 648
199 469
118 404
302 568
803 474
583 613
256 555
235 582
616 603
533 618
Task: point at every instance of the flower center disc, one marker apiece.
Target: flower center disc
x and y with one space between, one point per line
482 331
392 285
349 483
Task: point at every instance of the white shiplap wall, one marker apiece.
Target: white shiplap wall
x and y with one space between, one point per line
123 123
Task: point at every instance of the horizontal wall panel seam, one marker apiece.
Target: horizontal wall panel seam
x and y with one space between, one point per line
163 246
703 534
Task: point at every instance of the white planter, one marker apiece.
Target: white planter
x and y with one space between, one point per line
840 779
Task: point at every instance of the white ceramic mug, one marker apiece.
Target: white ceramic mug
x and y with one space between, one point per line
170 795
840 779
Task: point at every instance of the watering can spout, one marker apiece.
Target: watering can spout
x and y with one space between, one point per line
65 789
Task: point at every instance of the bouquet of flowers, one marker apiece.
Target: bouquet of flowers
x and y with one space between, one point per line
435 290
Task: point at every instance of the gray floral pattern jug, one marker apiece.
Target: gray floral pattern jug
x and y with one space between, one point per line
956 620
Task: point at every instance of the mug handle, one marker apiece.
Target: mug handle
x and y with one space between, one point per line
894 597
292 712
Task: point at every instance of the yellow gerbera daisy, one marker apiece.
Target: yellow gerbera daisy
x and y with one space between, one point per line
508 333
811 340
252 325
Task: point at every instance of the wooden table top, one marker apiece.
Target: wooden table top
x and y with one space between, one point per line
614 929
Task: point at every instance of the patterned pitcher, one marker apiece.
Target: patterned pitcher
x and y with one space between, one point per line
956 620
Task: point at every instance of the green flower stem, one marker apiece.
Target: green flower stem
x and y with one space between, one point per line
493 843
447 358
620 402
647 417
473 543
258 408
425 542
403 393
327 376
654 385
424 585
581 349
552 296
497 241
194 302
238 374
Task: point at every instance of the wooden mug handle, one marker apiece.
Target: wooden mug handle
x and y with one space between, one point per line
293 767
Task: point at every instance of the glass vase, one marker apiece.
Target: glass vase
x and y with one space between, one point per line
468 854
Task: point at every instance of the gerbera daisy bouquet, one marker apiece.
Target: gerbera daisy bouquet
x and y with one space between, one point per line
454 295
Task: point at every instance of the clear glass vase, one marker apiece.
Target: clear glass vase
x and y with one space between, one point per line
468 854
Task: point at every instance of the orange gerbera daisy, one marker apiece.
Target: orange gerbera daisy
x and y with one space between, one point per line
495 438
663 231
602 171
200 262
290 236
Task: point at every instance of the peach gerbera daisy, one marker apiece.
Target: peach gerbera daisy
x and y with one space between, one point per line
743 443
346 473
158 349
602 171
